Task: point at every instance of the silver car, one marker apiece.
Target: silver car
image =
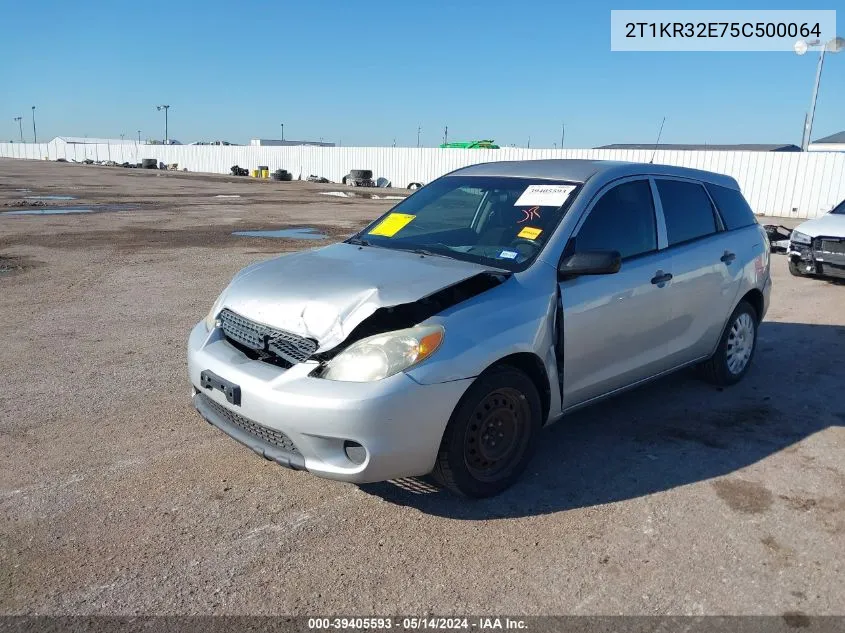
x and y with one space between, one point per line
493 301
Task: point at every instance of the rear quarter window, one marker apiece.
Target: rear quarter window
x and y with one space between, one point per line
735 211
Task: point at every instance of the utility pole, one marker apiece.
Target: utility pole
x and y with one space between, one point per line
529 142
419 129
446 135
34 133
166 135
562 134
835 45
19 119
139 137
283 131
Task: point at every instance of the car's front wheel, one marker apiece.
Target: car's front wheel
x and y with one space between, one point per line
736 348
491 435
795 269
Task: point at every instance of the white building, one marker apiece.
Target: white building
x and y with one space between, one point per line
832 143
263 142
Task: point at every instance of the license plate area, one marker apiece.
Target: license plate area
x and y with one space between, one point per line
210 380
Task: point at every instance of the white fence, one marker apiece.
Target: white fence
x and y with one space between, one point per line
785 184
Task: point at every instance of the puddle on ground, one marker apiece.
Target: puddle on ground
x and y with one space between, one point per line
51 197
306 233
228 195
47 211
360 194
67 210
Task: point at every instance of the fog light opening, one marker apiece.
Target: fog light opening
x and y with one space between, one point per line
355 453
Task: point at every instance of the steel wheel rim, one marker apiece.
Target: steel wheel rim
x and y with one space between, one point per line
740 343
497 433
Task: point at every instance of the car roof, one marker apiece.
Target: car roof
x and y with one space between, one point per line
577 170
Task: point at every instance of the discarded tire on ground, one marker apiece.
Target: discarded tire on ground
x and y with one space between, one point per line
282 175
149 163
361 174
414 185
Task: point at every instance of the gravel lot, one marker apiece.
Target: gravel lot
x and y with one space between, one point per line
116 498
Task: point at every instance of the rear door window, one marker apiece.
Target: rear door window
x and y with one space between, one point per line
687 210
735 211
622 220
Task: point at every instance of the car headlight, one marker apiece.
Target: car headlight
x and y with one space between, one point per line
800 238
383 355
211 318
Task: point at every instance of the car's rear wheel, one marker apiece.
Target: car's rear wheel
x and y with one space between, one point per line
491 436
736 349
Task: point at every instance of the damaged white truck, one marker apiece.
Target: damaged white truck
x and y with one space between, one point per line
442 337
817 247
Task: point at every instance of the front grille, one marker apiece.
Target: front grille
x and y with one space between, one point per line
286 345
832 246
270 436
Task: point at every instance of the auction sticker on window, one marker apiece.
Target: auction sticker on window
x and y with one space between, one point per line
392 224
530 232
544 196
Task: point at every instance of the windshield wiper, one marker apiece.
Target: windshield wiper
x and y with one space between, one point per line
423 251
358 241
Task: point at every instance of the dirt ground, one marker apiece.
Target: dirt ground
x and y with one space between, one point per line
117 498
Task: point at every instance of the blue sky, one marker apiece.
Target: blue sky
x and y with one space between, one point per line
369 75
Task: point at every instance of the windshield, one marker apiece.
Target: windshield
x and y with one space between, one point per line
839 209
500 222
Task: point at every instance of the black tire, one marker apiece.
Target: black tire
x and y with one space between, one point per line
414 185
287 176
361 174
717 369
149 163
505 401
343 180
795 269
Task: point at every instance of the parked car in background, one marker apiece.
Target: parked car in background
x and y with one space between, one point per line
817 247
493 301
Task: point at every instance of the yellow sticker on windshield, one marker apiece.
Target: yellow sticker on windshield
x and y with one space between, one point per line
529 232
392 224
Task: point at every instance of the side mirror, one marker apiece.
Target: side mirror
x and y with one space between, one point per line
590 263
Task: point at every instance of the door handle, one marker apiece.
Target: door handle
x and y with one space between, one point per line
728 257
660 278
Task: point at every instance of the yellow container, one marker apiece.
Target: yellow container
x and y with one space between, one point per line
255 173
265 173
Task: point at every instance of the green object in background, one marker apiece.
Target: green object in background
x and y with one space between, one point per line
472 145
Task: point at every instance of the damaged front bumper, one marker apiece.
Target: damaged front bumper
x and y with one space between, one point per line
352 431
824 256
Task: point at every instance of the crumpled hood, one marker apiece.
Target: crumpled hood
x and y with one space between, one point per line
324 293
830 225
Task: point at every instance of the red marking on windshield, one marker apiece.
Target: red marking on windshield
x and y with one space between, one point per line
530 214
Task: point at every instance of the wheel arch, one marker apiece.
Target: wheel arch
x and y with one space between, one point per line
757 301
532 366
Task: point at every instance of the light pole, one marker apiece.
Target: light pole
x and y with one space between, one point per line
801 46
139 137
34 133
419 129
562 133
19 119
165 108
283 130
